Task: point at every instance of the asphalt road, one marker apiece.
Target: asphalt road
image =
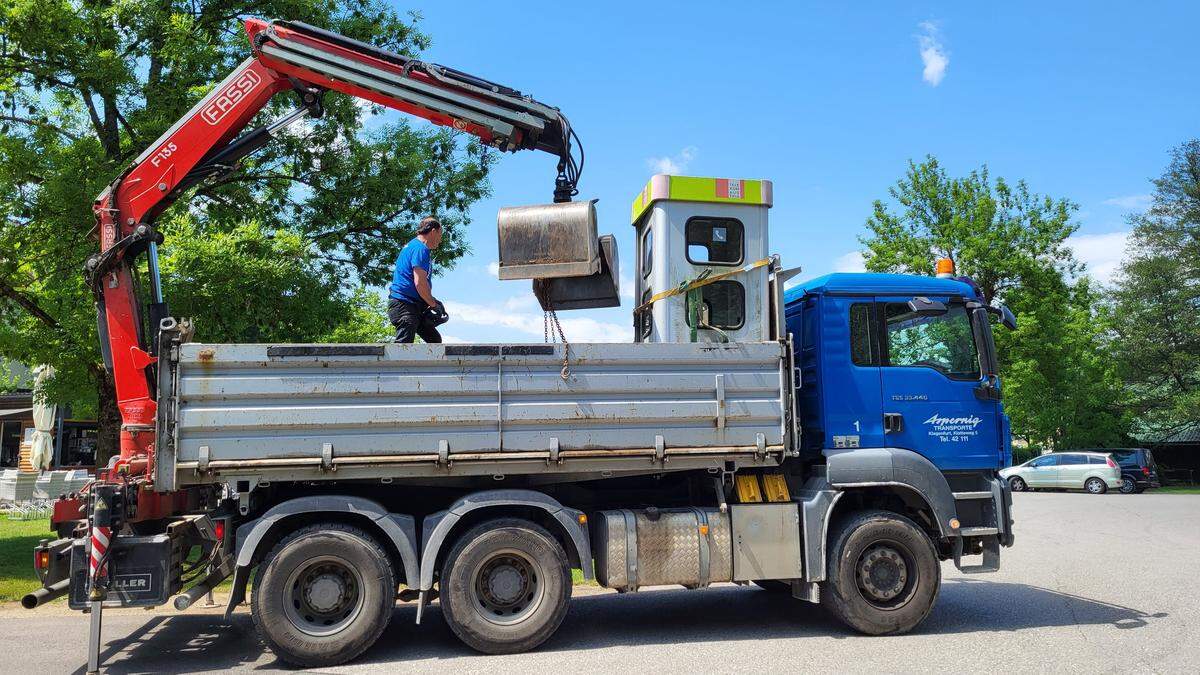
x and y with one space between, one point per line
1094 584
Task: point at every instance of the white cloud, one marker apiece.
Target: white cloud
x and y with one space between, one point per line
522 315
493 269
1130 201
850 262
452 340
1101 252
675 164
933 53
626 287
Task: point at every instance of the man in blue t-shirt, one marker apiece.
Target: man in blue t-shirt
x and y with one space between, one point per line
410 297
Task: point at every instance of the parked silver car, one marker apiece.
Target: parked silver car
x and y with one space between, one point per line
1094 472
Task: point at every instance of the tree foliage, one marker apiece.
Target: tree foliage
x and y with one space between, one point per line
1158 302
86 86
1060 386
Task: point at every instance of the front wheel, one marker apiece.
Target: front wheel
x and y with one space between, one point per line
1095 486
883 575
505 586
1128 486
1017 484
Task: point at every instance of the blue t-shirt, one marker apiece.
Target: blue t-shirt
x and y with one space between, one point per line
414 254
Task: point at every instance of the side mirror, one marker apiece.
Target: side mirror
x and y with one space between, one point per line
1007 318
922 306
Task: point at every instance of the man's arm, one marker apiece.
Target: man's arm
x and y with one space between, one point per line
421 281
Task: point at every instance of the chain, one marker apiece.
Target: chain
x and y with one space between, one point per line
547 318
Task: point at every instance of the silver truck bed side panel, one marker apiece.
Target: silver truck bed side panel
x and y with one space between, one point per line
258 402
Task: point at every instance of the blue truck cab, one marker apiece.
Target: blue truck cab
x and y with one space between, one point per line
897 384
898 361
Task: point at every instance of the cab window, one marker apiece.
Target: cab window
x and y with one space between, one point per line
864 349
944 342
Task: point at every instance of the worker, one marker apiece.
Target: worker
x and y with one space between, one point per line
412 309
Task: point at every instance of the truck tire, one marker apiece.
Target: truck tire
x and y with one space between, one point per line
883 575
505 586
323 595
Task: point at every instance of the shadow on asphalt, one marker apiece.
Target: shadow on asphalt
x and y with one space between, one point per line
188 643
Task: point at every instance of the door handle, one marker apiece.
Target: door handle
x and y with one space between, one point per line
893 423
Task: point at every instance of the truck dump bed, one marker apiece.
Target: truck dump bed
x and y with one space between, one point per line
312 412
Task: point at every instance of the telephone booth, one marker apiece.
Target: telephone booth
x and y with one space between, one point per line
695 229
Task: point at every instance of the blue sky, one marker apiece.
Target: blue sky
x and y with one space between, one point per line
1082 100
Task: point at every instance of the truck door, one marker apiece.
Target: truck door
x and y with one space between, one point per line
849 373
935 389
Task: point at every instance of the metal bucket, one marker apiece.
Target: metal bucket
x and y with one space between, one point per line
548 241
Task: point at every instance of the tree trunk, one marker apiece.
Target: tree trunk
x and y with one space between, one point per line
108 420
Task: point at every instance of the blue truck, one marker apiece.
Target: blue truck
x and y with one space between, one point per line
834 440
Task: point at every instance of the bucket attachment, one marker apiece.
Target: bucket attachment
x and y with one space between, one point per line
548 241
594 291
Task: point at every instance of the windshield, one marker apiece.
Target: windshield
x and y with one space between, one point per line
944 342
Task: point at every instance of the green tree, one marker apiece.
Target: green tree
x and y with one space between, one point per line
86 86
1158 302
1059 385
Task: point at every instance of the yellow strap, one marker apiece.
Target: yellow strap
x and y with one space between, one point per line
684 288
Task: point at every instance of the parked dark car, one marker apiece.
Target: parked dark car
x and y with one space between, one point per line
1138 470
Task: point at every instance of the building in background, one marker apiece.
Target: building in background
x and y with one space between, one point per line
74 439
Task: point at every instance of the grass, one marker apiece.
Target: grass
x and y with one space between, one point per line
1179 489
17 540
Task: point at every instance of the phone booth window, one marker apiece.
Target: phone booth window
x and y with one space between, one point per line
646 318
714 241
722 305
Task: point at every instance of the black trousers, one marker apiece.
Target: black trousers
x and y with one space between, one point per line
409 321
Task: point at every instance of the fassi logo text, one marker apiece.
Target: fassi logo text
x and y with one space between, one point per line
230 96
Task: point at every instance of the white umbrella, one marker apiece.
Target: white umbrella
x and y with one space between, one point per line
43 421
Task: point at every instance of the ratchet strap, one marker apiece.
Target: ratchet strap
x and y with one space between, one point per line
702 281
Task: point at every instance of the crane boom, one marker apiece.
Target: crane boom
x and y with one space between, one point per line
286 56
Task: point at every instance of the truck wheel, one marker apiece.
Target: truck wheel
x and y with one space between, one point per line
323 595
505 586
883 575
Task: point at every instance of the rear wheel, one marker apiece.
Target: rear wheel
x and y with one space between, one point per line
323 595
883 575
1017 484
1095 486
505 586
1128 485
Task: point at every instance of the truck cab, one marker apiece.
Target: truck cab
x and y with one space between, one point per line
898 361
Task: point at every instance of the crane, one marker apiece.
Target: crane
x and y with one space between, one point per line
287 56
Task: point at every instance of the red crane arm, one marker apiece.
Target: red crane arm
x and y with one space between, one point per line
286 56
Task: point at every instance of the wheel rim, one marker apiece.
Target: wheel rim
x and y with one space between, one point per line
1127 485
1094 486
323 596
506 587
1016 484
887 575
